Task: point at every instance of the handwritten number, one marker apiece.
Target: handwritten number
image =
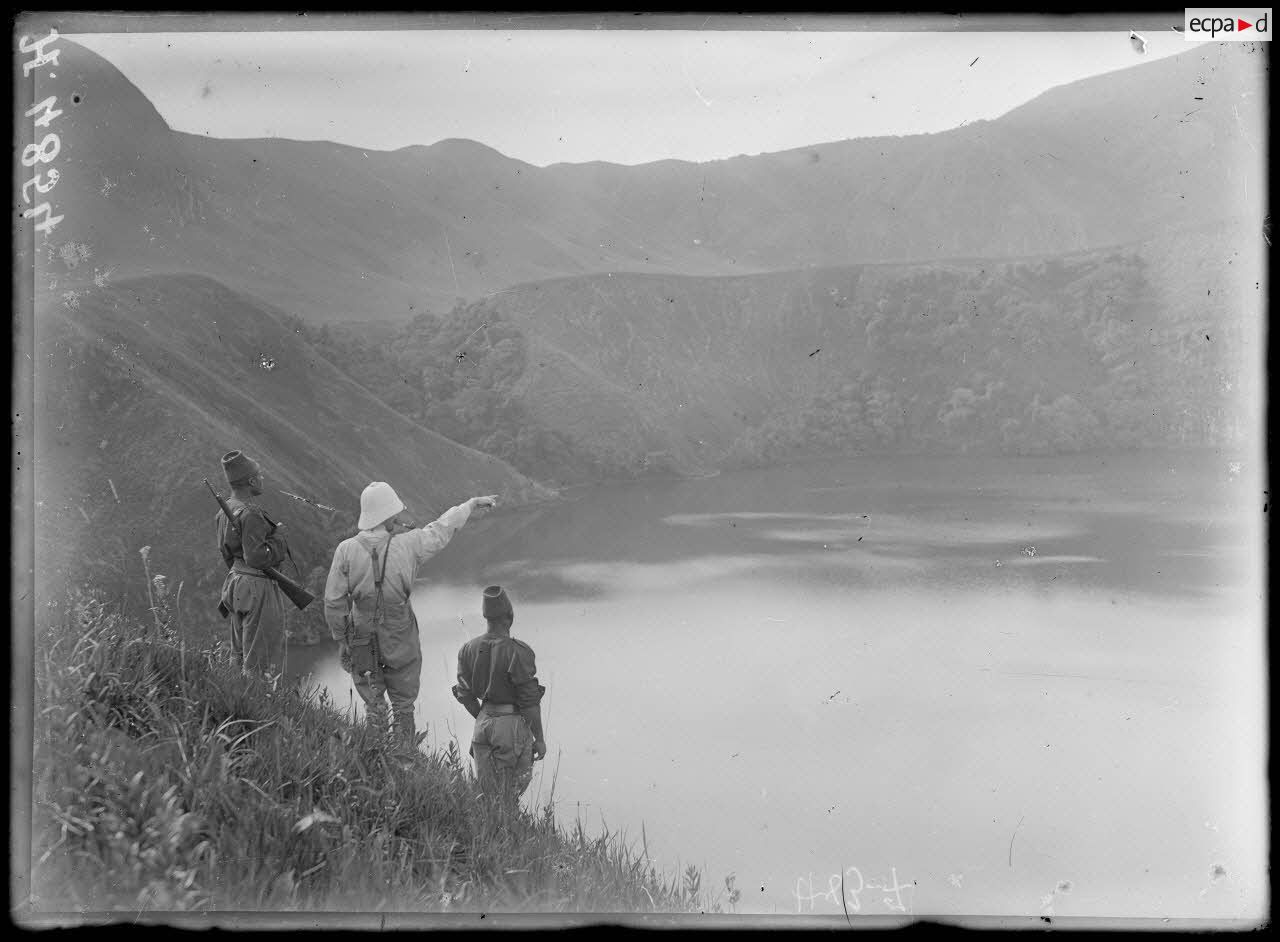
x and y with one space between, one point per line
49 112
851 895
41 187
47 224
854 886
50 145
41 153
800 897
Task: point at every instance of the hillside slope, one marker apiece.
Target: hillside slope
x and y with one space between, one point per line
190 787
142 385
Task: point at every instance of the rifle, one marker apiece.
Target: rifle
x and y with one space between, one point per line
296 594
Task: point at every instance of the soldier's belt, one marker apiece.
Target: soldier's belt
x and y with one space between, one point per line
499 707
247 570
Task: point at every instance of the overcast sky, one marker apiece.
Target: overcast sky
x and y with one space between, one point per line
626 96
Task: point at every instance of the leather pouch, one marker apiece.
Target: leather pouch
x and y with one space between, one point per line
364 659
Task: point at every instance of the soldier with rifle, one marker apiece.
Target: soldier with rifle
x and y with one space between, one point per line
252 546
367 606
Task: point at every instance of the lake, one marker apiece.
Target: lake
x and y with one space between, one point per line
1023 686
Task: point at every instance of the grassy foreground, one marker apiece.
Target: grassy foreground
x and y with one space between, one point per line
165 781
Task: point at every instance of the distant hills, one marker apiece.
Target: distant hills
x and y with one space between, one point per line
335 233
1153 343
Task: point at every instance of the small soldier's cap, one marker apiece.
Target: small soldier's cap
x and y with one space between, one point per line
238 467
496 604
378 504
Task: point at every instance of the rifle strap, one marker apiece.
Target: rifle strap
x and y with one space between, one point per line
287 552
232 524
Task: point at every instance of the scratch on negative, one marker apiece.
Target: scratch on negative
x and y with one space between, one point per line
1015 834
694 88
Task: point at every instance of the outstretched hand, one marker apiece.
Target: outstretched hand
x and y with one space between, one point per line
484 503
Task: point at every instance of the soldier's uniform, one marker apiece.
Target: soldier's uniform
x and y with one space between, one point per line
501 673
351 600
250 598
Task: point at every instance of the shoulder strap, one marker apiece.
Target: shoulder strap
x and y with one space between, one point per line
377 579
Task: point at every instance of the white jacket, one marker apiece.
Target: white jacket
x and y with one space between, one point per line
351 588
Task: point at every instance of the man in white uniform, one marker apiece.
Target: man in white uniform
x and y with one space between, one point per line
367 608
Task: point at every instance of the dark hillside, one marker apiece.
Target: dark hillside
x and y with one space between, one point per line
143 384
1153 343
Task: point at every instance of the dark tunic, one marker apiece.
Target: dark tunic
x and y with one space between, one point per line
251 599
498 669
256 545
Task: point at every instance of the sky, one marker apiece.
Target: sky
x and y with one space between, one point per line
625 96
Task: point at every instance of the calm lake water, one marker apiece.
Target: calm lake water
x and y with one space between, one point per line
971 686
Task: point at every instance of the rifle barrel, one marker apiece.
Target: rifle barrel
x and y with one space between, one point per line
308 500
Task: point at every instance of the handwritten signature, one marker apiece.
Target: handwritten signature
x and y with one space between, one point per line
845 890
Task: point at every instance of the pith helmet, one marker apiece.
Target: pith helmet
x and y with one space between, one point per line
239 467
496 604
378 504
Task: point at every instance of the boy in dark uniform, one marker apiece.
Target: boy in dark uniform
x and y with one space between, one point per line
498 684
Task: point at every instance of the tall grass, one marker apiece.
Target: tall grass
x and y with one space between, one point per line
167 781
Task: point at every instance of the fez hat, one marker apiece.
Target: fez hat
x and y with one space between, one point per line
378 504
239 467
496 603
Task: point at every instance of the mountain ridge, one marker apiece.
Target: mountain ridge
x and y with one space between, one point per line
332 232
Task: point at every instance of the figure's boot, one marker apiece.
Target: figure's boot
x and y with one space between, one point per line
406 734
376 718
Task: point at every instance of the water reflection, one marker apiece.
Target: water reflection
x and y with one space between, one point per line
944 708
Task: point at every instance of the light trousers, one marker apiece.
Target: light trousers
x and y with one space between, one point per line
502 747
400 686
256 619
